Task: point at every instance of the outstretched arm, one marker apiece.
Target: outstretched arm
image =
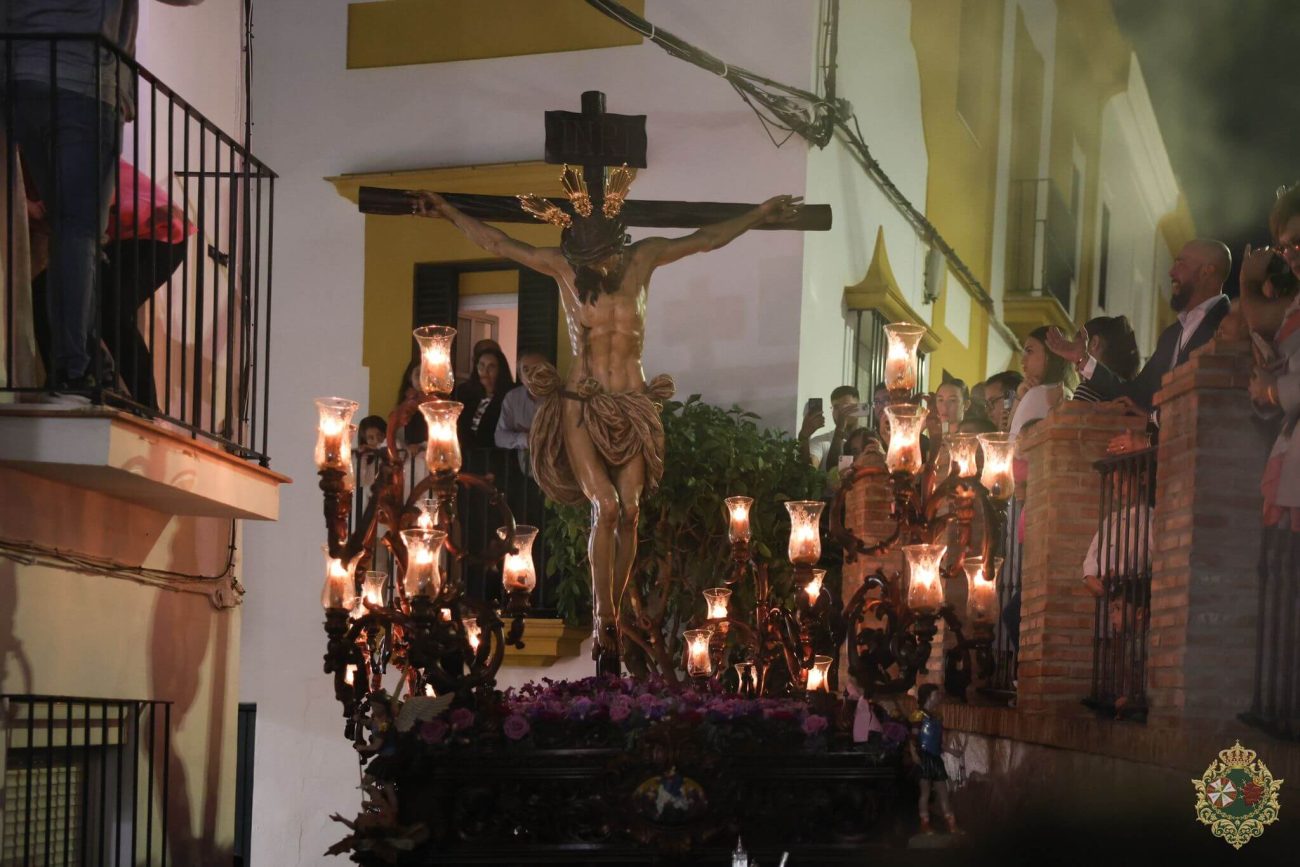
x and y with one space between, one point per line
544 259
777 209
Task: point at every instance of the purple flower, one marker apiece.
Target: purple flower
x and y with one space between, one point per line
620 709
581 707
645 701
813 724
516 727
433 731
461 718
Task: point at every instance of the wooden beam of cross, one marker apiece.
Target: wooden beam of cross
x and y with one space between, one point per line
594 139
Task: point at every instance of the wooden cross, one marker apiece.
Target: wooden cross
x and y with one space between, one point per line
595 139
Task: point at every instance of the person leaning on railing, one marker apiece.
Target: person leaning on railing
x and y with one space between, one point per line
1275 384
68 106
1112 342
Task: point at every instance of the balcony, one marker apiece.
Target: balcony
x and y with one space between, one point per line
168 313
1040 256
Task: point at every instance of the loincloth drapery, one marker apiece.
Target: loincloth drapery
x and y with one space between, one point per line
621 426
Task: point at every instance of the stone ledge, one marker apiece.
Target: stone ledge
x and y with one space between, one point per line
1183 748
126 457
546 641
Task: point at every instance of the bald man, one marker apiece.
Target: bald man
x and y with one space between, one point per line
1196 293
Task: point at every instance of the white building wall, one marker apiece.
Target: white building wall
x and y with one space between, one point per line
1138 186
725 324
878 74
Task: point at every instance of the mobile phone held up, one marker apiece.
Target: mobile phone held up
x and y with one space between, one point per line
814 405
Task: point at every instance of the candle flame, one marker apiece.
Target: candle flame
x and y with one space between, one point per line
814 589
815 679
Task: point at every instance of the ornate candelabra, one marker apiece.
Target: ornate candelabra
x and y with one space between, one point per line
421 621
948 514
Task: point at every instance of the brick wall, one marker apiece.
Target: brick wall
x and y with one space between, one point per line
1061 515
1204 592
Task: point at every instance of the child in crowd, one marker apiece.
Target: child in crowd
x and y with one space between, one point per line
926 749
372 433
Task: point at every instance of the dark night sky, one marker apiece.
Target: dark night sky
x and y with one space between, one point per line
1224 77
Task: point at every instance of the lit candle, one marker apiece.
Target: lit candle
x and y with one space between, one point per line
698 662
435 358
716 598
964 450
340 589
518 571
373 585
905 423
443 451
333 447
900 357
430 691
350 675
819 675
998 448
981 590
737 509
805 547
746 680
428 518
924 589
814 587
423 577
473 634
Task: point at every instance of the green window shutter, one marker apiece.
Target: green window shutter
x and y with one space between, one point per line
539 311
436 296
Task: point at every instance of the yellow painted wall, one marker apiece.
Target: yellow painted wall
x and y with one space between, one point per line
962 153
398 32
394 245
65 632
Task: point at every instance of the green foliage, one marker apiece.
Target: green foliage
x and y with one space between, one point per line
712 454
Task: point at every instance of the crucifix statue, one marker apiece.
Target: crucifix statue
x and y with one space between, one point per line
597 437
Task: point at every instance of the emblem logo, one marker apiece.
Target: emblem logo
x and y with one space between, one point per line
1237 796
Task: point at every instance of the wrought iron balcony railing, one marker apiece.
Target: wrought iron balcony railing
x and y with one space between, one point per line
173 300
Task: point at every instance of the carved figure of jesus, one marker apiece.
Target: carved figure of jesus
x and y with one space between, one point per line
597 436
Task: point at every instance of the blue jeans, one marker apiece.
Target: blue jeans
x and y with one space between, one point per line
70 146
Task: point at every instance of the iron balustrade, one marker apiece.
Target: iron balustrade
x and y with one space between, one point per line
87 780
180 311
1275 706
1120 562
1001 683
508 471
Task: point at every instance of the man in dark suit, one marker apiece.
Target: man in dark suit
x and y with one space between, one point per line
1196 293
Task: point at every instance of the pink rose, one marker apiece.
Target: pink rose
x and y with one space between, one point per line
620 709
516 727
461 718
433 731
813 724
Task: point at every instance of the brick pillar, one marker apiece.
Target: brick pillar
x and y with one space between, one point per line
1061 513
1204 592
867 513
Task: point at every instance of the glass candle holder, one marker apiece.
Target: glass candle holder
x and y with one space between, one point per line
746 678
819 679
442 454
423 575
900 359
428 517
698 661
924 587
518 571
373 587
814 586
333 445
805 547
999 449
964 449
905 423
737 509
435 358
981 590
340 589
716 599
473 633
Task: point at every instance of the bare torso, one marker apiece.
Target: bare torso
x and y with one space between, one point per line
608 335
